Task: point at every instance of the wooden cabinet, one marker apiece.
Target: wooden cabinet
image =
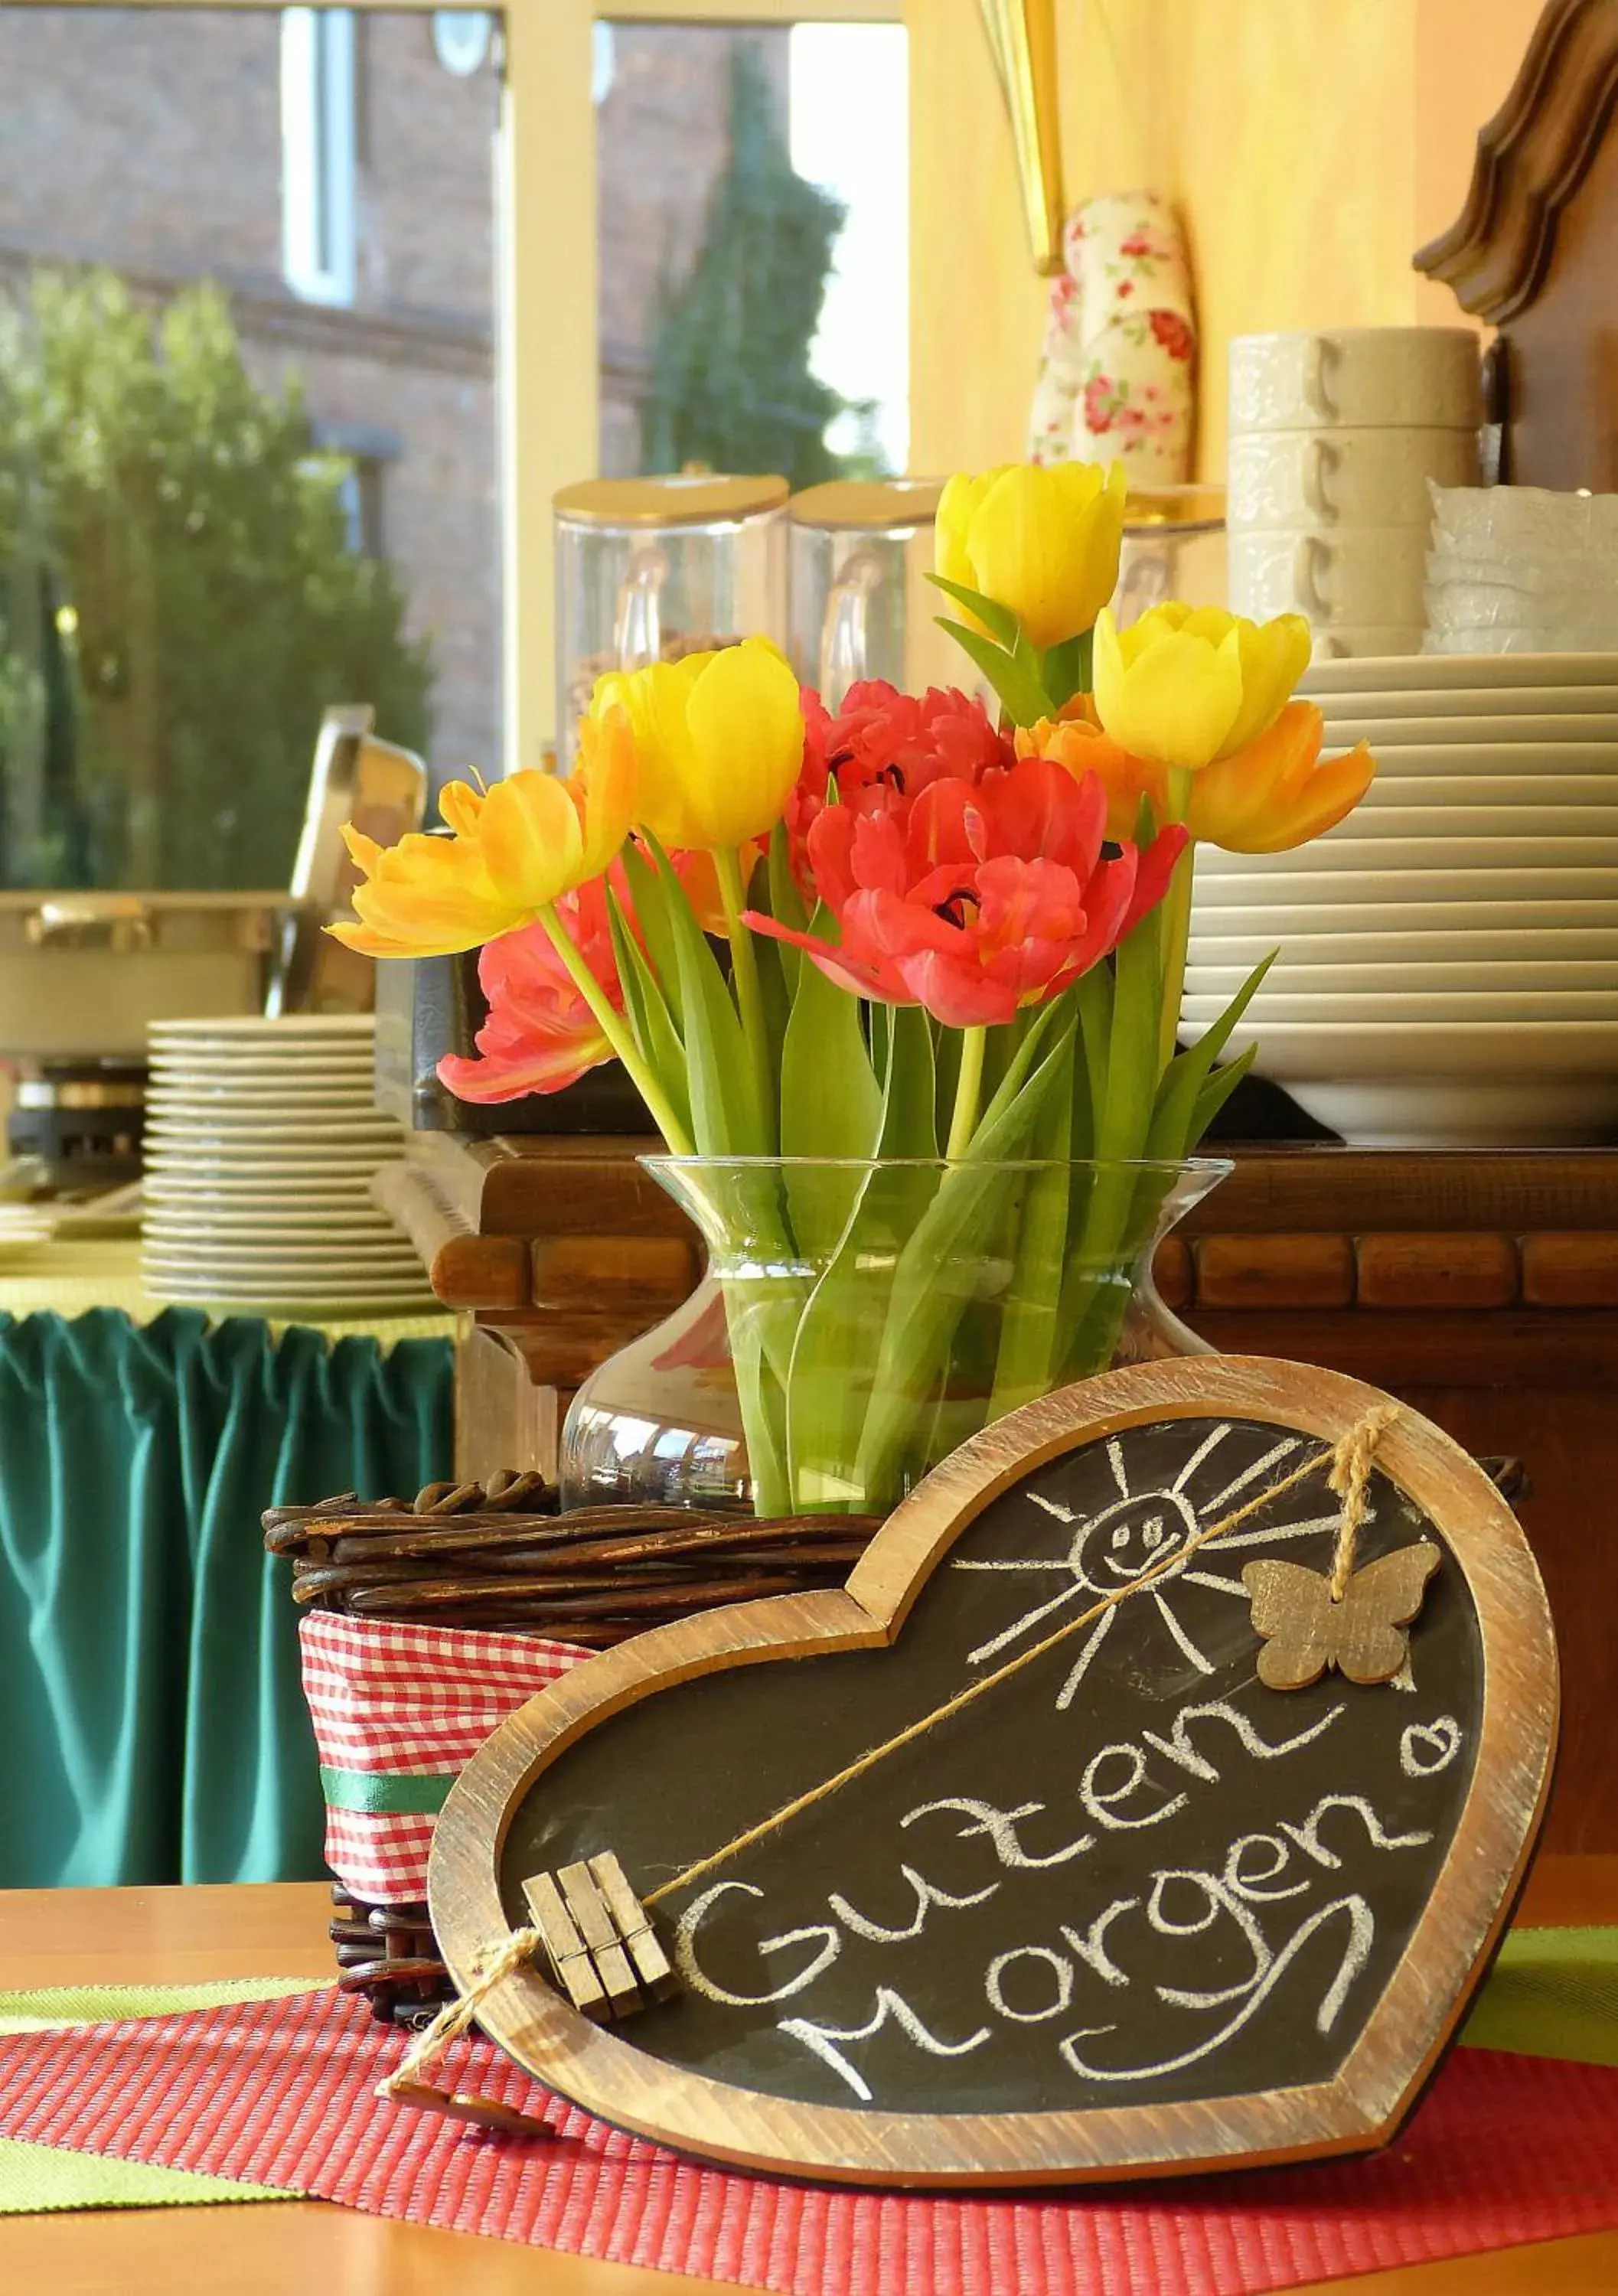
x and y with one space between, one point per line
1480 1287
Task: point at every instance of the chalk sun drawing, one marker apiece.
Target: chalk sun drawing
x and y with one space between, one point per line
1107 1551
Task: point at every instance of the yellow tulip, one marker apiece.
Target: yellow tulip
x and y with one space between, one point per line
1042 541
1272 794
719 744
515 848
1186 685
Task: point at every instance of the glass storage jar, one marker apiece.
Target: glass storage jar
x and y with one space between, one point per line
859 551
1173 547
654 569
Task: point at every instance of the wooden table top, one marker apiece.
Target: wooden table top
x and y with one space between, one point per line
87 1936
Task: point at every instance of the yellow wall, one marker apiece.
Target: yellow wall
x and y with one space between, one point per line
1309 145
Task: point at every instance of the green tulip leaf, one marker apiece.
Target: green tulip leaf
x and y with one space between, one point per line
1026 1361
1175 1129
1066 669
831 1104
936 1274
785 903
656 1036
726 1118
1216 1092
909 1107
998 621
650 901
1014 677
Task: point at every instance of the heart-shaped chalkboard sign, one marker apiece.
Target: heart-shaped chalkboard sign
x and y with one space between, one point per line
1118 1817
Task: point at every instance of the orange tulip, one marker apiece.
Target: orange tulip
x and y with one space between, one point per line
515 848
1273 793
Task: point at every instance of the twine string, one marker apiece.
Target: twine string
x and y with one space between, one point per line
489 1966
1351 1480
1348 1463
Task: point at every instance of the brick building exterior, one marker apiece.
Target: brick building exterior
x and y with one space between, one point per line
150 140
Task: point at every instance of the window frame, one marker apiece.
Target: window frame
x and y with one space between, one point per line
545 347
319 152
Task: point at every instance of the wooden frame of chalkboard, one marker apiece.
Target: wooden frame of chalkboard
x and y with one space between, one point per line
1393 2051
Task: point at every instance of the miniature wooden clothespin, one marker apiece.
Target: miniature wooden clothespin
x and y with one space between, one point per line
598 1937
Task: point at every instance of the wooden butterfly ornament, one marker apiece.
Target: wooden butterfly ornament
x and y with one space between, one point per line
1364 1634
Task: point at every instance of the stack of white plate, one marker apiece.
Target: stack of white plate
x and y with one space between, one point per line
261 1142
23 1229
1449 964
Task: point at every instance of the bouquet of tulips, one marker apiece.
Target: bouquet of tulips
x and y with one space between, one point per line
902 979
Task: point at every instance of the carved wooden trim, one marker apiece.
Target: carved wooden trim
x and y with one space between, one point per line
1532 157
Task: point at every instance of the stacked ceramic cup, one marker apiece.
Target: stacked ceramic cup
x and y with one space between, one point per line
1333 437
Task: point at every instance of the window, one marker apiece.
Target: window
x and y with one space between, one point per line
318 152
224 503
752 233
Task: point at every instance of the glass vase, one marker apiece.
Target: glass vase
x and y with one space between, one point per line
859 1320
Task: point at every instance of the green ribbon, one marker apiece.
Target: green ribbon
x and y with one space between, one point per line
386 1794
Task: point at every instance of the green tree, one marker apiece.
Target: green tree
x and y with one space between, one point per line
732 387
178 599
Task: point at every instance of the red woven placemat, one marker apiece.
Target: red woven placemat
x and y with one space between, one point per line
1506 2149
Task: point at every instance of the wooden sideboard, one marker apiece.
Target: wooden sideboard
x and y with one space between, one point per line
1480 1286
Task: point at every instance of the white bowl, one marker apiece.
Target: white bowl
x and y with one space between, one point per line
1273 921
181 1256
323 1304
1528 1008
1439 707
187 1128
257 1168
1545 797
1491 833
1303 948
1382 975
1449 1084
221 1222
1424 867
1472 728
1481 672
256 1028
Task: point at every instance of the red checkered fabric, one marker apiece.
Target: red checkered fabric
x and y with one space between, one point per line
408 1700
1505 2149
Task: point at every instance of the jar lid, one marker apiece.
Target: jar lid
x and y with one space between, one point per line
694 498
1193 506
873 505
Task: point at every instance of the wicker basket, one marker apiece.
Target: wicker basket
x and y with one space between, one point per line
499 1557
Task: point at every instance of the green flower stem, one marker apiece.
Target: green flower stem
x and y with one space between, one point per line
1176 920
612 1027
963 1121
750 994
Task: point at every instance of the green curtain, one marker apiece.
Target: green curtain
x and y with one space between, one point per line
149 1700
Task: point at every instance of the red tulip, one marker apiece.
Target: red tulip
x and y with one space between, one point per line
540 1034
884 742
975 897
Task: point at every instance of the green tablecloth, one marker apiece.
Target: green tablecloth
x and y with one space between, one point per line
149 1700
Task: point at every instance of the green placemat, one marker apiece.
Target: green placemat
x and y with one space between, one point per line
35 2177
1552 1993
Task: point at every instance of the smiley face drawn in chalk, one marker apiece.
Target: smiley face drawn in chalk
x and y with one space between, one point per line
1142 1532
